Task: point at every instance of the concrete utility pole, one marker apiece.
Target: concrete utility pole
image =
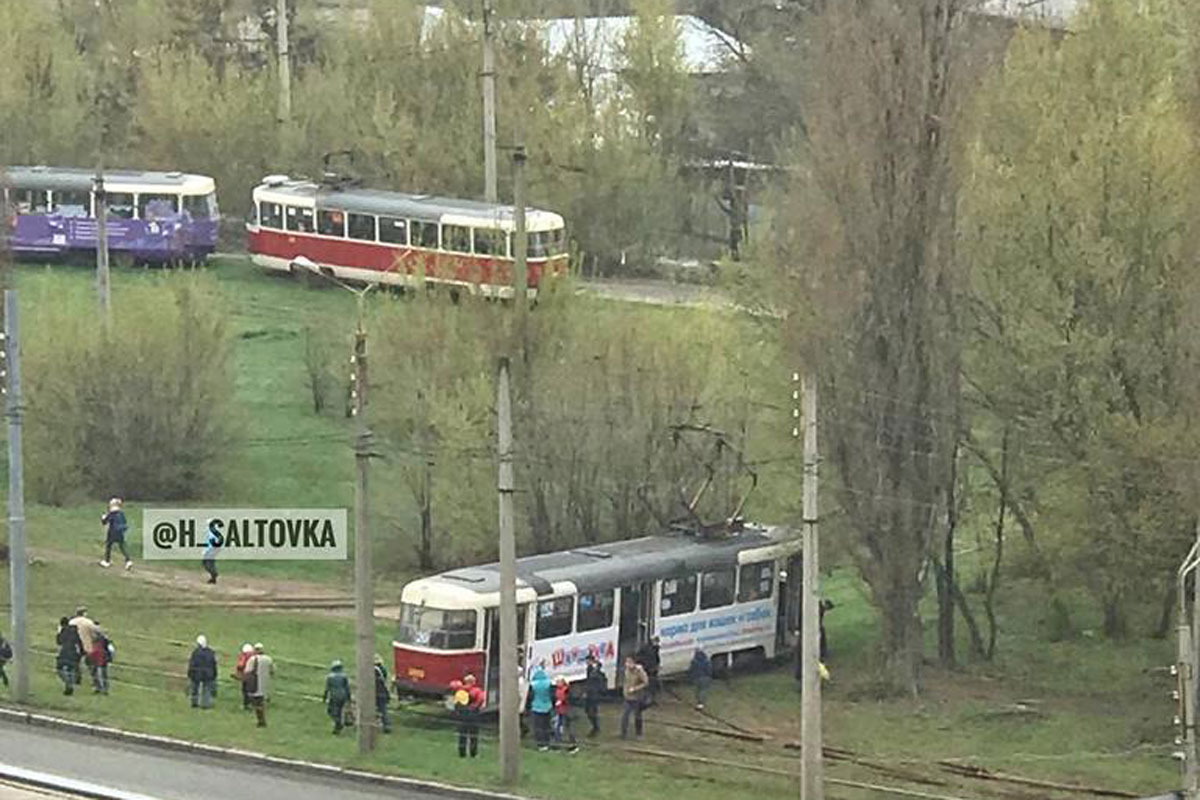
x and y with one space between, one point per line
17 559
490 192
1186 671
102 271
285 64
520 237
811 778
510 732
364 590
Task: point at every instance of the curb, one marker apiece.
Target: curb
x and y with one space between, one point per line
290 765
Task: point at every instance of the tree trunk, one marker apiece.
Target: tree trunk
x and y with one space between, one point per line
902 640
1116 625
1168 611
945 575
989 600
425 553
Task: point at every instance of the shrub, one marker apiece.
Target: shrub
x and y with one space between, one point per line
136 409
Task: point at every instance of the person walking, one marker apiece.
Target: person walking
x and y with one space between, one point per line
239 673
6 654
98 657
700 672
70 650
564 730
634 686
209 560
594 685
202 674
650 660
337 695
468 705
382 696
259 669
116 523
541 704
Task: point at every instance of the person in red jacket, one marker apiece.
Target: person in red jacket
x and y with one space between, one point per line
562 714
97 659
468 704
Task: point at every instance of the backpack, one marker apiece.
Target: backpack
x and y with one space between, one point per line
107 644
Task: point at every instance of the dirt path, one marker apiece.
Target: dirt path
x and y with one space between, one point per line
256 593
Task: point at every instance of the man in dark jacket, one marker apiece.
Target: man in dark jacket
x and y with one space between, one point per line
70 650
594 686
6 655
202 674
649 658
700 673
337 695
382 695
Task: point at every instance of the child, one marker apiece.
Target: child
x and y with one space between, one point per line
562 714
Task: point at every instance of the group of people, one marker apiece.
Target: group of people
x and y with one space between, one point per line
81 641
338 697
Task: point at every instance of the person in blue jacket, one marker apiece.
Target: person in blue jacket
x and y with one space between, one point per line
212 542
116 524
541 704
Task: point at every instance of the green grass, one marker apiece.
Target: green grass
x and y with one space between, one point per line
1102 719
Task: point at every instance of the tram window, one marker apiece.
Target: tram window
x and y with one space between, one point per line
271 215
331 223
554 617
120 205
436 628
393 231
678 596
456 238
156 206
32 201
204 206
716 588
487 242
360 226
595 611
299 219
424 234
755 580
545 244
71 203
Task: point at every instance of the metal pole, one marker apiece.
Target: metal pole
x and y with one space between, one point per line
285 66
490 192
520 237
510 733
17 558
102 271
1193 690
364 600
1186 674
811 779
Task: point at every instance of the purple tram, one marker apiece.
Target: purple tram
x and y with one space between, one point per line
153 217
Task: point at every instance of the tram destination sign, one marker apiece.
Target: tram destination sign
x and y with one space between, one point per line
244 534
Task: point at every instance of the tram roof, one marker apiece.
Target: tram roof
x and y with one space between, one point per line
79 179
604 566
388 203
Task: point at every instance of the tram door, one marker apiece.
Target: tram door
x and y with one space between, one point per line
492 634
637 602
787 620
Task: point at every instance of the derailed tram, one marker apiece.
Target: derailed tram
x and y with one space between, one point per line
732 595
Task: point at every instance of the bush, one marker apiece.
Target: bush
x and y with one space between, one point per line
136 410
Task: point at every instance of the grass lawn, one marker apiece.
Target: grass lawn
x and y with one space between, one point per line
1095 716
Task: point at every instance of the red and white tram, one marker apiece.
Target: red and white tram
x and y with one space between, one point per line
400 239
729 595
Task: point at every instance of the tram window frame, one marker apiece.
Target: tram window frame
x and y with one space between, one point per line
672 586
393 225
25 201
298 213
494 242
718 588
456 239
756 581
119 209
144 201
82 200
270 215
419 234
442 637
355 229
331 222
200 206
551 625
599 611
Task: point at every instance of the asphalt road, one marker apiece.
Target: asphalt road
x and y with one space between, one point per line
165 775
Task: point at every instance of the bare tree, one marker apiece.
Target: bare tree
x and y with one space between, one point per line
866 244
